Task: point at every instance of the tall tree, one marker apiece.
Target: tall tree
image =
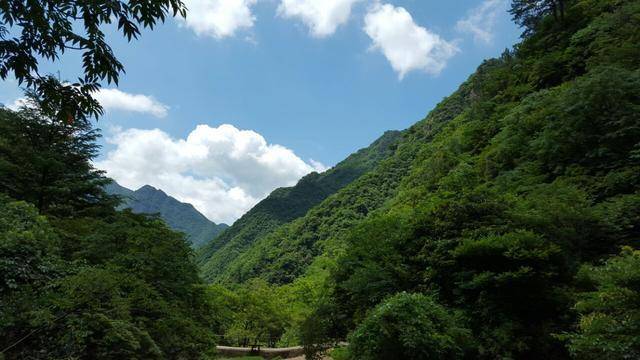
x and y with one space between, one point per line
48 163
32 30
529 13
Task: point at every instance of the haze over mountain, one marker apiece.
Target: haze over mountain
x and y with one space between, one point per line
179 216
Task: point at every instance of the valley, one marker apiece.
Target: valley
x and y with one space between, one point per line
505 224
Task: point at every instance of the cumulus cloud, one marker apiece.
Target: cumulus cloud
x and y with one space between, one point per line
114 99
480 22
322 17
406 45
19 103
219 18
222 171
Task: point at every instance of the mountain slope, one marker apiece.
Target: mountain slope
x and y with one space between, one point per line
497 86
178 215
504 211
287 204
285 253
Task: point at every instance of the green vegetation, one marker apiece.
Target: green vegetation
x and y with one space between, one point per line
491 229
610 310
409 326
285 205
477 227
79 279
179 216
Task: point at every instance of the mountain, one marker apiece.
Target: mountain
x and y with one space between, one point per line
287 204
495 223
283 253
178 215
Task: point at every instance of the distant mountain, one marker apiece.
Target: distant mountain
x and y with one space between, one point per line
287 204
178 215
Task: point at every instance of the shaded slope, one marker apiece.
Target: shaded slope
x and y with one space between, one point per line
287 204
178 215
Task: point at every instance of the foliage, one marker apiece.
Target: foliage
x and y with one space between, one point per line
609 326
32 30
78 278
499 210
529 13
251 314
491 204
409 326
47 163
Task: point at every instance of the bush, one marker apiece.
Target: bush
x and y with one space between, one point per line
609 326
409 326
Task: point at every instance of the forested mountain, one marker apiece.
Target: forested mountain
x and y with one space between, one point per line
504 225
497 225
287 204
281 254
179 216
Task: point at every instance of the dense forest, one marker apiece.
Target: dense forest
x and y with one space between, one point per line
504 225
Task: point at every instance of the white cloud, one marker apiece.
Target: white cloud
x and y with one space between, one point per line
480 22
219 18
114 99
318 166
322 17
19 103
405 44
222 171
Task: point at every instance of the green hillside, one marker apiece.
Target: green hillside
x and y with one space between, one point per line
485 234
504 225
287 204
284 254
179 216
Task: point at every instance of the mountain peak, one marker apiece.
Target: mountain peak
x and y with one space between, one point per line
179 216
149 188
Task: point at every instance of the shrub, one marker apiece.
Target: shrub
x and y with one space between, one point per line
409 326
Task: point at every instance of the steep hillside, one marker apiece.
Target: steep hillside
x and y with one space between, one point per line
284 254
481 236
287 204
178 215
583 42
495 228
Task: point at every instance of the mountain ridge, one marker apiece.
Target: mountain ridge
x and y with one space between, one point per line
180 216
287 204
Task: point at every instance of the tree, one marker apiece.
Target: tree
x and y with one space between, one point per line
409 326
117 287
46 29
77 278
29 259
259 315
529 13
609 326
48 163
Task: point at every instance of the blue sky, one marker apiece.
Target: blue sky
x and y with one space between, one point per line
298 73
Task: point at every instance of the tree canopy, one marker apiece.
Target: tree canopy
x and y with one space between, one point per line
79 279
